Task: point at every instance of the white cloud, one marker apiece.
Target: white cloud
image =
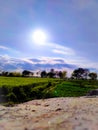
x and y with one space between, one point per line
4 48
81 62
62 52
60 49
52 60
8 51
29 61
6 56
73 60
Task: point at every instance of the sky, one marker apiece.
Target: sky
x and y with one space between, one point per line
71 27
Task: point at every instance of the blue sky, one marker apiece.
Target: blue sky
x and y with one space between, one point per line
71 27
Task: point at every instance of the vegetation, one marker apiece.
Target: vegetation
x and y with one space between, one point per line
93 76
21 89
80 73
17 88
74 88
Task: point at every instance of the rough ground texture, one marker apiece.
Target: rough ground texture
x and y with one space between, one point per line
51 114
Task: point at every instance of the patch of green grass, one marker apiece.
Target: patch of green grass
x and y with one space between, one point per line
71 89
20 81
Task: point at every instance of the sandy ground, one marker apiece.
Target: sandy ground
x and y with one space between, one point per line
51 114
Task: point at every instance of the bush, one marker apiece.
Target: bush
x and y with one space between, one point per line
27 91
11 97
4 90
19 93
47 94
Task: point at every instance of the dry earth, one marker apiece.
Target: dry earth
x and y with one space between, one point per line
51 114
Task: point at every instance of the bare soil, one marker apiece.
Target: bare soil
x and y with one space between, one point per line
51 114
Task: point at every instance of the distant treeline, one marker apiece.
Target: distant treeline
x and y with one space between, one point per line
79 73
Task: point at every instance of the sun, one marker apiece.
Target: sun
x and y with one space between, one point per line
39 37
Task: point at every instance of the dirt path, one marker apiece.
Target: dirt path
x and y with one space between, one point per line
51 114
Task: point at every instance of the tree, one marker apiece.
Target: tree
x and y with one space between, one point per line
93 76
15 74
52 70
11 74
60 74
5 73
64 74
51 74
86 73
27 73
43 74
38 73
80 73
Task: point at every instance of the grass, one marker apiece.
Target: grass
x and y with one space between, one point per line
71 89
21 89
18 81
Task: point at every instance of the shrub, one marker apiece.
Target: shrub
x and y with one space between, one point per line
4 90
20 94
12 97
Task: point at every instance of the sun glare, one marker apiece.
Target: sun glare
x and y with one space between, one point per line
39 37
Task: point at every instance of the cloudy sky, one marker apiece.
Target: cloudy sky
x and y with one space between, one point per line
71 27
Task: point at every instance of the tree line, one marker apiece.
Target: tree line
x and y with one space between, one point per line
79 73
82 73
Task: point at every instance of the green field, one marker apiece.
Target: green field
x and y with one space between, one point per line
21 81
22 89
74 89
